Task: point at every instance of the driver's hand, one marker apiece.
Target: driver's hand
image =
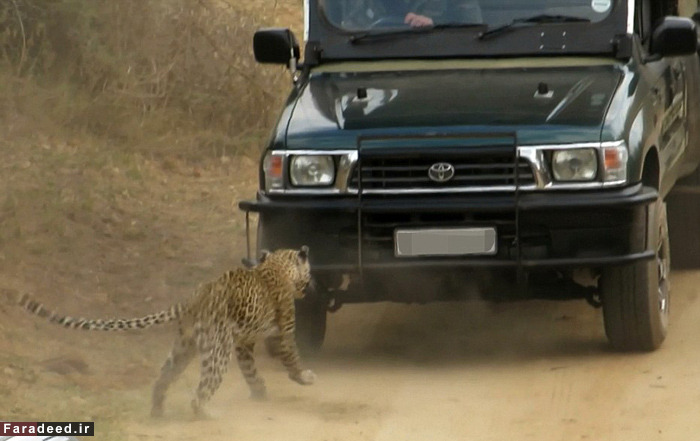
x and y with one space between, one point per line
416 21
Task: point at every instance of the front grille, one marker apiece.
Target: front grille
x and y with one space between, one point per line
482 171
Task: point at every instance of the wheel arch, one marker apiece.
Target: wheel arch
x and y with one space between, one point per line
651 169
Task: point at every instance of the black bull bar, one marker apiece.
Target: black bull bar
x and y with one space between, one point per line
369 146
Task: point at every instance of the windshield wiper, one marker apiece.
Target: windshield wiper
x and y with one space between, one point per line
535 19
378 35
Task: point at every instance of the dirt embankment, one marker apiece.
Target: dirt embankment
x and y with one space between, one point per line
97 232
130 131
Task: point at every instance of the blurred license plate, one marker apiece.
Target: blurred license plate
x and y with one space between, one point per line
444 242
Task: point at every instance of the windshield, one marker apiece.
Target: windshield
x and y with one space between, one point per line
362 15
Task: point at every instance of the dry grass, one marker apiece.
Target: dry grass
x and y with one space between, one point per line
176 76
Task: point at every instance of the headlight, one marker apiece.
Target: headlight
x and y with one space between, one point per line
312 170
575 164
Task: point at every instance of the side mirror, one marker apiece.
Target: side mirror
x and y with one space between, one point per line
276 45
674 36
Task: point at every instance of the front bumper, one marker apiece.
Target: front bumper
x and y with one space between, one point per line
537 230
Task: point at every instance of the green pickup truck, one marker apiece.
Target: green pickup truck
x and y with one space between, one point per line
431 149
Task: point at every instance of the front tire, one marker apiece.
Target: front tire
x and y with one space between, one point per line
311 315
636 296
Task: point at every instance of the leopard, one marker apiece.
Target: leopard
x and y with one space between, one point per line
230 312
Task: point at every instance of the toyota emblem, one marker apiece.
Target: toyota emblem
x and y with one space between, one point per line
441 172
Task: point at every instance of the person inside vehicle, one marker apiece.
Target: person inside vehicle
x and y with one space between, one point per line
425 14
414 13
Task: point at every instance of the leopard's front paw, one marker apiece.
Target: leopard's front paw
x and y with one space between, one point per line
304 377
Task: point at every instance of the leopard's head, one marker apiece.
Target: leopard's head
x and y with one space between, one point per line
293 264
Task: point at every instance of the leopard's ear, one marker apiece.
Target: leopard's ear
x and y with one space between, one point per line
304 253
263 255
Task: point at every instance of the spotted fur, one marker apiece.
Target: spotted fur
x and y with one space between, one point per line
232 311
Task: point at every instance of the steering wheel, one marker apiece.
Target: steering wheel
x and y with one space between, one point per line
390 21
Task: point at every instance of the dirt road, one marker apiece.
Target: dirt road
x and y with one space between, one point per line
523 371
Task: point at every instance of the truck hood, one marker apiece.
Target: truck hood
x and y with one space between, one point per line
542 105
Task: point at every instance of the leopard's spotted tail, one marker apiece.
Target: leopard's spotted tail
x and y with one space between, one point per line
173 313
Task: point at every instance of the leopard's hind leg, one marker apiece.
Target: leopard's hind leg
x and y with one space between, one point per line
246 361
214 357
180 356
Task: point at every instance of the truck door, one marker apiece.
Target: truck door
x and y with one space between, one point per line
673 124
